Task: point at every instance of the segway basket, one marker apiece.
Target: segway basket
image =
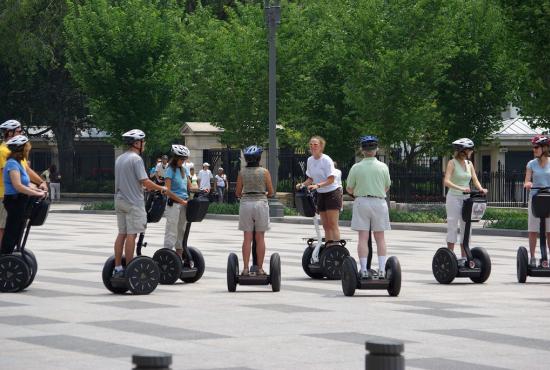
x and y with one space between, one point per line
540 205
197 209
473 209
305 204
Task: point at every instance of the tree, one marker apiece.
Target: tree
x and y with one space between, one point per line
121 55
529 21
35 86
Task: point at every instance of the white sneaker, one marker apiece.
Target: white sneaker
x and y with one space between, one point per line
533 262
381 274
461 262
365 274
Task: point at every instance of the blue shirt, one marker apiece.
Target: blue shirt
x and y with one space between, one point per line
11 165
178 185
541 175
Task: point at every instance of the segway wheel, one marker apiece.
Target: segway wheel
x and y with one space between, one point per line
306 258
331 261
275 272
169 264
198 260
107 273
14 274
482 259
522 262
444 266
143 275
349 276
32 264
232 271
393 274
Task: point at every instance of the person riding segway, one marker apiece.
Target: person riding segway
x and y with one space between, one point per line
253 187
368 182
140 275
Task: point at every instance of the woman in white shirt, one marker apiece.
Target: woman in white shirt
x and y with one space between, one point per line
321 176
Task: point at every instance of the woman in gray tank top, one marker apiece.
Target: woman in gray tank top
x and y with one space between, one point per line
253 187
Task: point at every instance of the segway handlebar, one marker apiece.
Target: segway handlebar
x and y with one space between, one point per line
474 193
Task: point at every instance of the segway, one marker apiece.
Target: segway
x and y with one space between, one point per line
540 206
234 278
18 270
352 280
141 275
191 268
478 263
331 258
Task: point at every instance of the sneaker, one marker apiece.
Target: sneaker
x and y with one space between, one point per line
533 262
381 274
261 272
118 274
245 272
461 262
365 274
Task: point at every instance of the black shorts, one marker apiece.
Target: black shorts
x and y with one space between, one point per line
329 201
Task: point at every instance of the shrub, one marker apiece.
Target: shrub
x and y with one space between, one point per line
107 205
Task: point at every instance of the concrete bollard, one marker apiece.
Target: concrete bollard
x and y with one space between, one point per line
152 361
384 355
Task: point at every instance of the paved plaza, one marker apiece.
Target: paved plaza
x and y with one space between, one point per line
68 320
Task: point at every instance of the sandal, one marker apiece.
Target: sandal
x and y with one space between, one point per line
261 272
245 272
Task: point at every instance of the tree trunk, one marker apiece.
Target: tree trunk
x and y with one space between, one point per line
64 134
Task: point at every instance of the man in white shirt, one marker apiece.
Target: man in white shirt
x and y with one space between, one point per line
204 177
161 167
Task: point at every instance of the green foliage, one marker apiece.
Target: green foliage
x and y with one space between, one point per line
223 208
121 55
417 216
497 218
529 21
107 205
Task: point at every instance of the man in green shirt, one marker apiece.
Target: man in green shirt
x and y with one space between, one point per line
368 181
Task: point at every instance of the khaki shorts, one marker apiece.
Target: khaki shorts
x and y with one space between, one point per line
3 214
131 219
370 214
533 223
254 215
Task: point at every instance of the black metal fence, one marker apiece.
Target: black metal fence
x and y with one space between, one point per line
230 161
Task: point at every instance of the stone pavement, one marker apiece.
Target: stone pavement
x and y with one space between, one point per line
68 320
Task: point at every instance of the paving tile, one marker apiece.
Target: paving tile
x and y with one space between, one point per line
442 363
161 331
353 337
82 345
21 320
496 338
286 308
450 314
10 304
134 304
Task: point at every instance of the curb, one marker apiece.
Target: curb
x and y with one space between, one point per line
307 221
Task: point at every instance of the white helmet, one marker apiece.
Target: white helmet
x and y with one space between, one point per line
463 143
180 150
10 125
132 136
17 143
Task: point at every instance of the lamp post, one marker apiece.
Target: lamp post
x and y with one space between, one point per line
273 18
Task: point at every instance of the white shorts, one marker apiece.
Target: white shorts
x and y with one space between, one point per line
533 223
370 214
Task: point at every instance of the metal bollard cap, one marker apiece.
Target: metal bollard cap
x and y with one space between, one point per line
152 359
386 347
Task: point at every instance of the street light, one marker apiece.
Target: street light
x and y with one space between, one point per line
273 19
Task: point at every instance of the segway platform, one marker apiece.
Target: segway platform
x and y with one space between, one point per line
351 279
540 207
234 278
